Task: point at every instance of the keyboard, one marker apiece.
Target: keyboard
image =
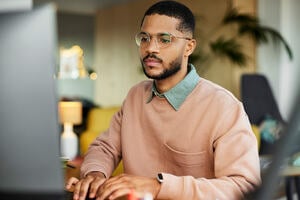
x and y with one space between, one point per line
69 196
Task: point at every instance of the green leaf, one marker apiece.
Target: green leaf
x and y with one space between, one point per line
231 49
260 34
233 16
254 31
247 25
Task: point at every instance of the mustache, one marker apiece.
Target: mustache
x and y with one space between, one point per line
152 56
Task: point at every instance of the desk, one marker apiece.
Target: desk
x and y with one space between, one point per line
292 176
290 173
73 171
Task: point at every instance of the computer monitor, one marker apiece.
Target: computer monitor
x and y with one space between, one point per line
30 166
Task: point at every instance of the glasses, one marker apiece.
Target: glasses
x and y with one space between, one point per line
163 40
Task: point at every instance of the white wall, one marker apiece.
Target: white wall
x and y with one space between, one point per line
273 61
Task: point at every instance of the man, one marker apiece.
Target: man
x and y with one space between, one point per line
179 135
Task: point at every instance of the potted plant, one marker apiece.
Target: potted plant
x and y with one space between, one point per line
228 45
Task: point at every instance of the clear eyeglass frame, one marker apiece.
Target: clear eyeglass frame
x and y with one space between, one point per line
163 40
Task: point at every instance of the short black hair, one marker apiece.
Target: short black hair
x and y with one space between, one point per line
176 10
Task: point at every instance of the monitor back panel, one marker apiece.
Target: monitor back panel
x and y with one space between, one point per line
29 131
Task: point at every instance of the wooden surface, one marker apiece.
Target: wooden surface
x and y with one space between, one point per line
73 168
291 171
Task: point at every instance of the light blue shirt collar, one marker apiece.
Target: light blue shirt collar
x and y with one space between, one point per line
177 95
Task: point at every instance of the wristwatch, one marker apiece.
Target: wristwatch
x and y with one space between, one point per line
160 178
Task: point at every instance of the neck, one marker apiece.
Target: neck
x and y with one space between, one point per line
168 83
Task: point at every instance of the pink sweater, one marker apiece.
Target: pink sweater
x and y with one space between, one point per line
205 150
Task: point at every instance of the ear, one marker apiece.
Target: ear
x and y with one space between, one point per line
190 47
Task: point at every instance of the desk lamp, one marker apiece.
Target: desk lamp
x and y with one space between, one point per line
70 113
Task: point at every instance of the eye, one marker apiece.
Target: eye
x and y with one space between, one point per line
165 38
143 38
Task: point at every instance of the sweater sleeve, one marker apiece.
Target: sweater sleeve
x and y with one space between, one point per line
106 146
236 164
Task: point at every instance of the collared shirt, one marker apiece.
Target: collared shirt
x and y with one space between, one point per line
179 92
200 140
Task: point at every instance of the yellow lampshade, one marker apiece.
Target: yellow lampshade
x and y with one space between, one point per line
70 112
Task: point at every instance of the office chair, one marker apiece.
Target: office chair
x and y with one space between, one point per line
258 98
259 102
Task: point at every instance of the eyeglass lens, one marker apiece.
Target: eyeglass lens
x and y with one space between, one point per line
162 39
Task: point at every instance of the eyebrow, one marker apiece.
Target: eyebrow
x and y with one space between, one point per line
167 33
161 33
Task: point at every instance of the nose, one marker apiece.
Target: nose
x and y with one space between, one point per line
152 46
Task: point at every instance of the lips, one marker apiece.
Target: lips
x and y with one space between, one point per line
151 62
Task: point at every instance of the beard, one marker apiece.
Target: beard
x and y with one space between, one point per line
174 67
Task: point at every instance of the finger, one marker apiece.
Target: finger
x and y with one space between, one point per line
70 183
120 193
76 190
84 187
108 188
95 185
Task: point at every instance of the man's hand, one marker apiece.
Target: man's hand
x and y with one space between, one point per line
86 186
123 184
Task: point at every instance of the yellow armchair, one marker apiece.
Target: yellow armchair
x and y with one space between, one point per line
98 120
256 132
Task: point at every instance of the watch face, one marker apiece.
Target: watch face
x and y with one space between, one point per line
160 177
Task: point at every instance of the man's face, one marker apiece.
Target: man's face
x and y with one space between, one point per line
160 62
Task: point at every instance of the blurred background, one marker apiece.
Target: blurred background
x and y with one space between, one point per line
105 29
250 47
